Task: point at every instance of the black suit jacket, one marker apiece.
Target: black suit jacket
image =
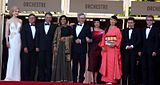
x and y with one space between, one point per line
135 39
150 44
27 37
44 41
85 32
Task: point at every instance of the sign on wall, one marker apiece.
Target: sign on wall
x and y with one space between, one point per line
36 5
145 8
96 6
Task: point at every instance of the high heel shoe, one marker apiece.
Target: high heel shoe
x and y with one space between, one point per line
108 83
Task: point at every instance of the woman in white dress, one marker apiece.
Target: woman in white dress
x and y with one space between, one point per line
13 42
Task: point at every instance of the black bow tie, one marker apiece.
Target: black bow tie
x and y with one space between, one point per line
149 27
32 24
47 24
79 24
130 28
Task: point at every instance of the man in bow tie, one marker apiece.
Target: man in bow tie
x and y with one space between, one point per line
130 46
29 54
81 36
44 41
149 51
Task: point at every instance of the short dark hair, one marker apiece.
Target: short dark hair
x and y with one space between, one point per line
96 19
48 13
31 15
131 18
114 17
151 16
61 19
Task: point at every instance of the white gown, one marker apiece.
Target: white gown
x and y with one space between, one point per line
13 64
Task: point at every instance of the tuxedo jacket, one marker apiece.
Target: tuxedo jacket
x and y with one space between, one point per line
85 32
27 37
150 44
44 41
135 39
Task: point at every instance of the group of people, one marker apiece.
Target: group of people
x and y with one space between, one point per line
50 47
140 46
53 47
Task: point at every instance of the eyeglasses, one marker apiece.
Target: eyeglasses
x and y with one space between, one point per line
82 18
149 20
17 11
130 22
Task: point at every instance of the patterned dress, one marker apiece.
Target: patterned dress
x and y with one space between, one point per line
61 70
111 68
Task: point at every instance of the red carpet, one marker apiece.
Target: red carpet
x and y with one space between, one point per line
42 83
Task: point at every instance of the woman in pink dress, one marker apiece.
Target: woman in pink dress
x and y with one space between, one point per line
111 68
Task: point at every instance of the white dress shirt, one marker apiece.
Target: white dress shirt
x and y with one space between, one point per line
148 31
46 28
130 33
33 30
79 29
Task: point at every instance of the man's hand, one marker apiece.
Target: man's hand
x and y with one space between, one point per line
37 49
140 53
129 47
154 54
78 41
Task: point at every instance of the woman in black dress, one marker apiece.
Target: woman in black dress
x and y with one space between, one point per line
61 70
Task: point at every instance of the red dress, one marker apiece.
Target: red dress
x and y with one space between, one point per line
94 54
111 67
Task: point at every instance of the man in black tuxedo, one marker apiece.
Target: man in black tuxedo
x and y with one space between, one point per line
130 46
44 41
29 54
149 51
81 36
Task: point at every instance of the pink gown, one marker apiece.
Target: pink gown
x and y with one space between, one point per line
111 67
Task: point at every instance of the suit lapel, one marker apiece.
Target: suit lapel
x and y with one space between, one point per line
127 33
144 30
50 28
74 30
43 30
150 33
133 32
30 30
81 30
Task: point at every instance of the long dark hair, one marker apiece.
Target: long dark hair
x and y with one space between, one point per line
108 24
61 19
